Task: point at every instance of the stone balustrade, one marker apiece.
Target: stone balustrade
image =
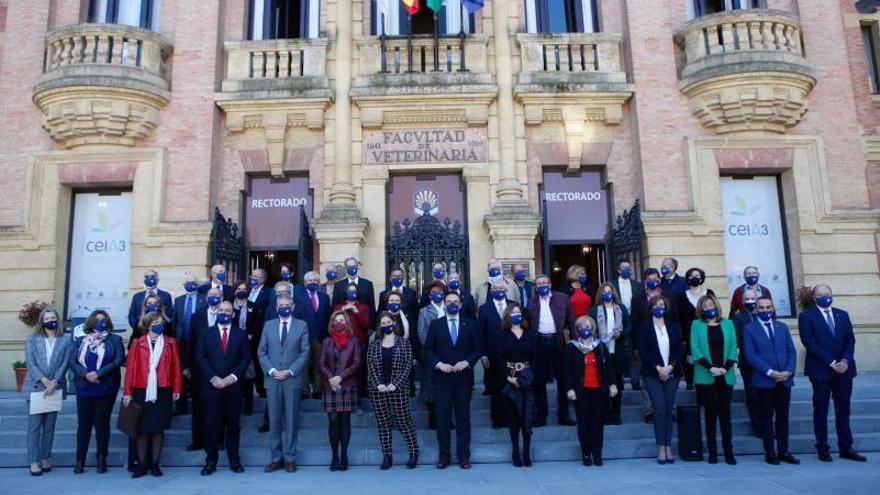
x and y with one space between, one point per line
569 52
275 65
399 55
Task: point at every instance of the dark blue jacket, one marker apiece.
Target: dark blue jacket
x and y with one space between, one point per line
439 349
650 351
179 315
212 361
137 302
823 347
317 321
108 373
763 357
675 287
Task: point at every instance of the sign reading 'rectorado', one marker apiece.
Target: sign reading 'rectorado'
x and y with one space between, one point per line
424 146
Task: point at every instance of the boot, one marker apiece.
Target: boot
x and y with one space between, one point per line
79 467
102 463
527 450
432 416
386 462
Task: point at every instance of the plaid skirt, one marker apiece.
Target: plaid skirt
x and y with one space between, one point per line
343 401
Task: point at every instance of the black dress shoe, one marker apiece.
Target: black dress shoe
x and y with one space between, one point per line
264 428
788 458
771 459
386 463
155 471
729 458
852 455
825 456
138 473
442 463
236 467
343 461
587 460
413 461
79 468
713 457
209 469
527 459
597 461
465 463
193 447
102 464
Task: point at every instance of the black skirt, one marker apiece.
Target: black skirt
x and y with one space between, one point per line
156 417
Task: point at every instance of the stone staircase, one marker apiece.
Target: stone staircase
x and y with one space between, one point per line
633 439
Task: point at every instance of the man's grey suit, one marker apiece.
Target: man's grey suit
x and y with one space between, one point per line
284 395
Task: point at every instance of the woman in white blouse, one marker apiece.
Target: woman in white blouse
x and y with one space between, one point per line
662 350
613 323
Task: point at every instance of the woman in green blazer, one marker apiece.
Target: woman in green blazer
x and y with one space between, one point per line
714 350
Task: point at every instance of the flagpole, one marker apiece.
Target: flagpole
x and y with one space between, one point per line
382 47
462 66
409 54
436 45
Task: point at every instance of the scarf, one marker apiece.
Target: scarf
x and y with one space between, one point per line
152 376
585 348
606 333
340 339
94 343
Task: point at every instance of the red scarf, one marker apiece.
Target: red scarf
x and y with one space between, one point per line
340 338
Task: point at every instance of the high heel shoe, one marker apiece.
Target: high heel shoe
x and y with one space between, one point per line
713 457
102 464
334 463
516 459
79 467
386 463
413 461
343 461
527 458
729 458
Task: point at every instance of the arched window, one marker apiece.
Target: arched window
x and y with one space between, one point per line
139 13
562 16
397 22
698 8
283 19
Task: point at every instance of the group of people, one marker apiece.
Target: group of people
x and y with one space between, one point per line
210 350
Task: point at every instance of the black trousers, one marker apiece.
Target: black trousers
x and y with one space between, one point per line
773 404
197 412
451 400
93 412
751 398
615 403
493 378
185 394
549 364
840 388
590 408
222 418
715 399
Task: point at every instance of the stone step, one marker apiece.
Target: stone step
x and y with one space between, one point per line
256 457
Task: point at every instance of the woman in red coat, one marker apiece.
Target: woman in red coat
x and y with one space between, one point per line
340 367
153 381
360 318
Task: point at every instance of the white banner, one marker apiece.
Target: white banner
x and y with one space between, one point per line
753 235
100 257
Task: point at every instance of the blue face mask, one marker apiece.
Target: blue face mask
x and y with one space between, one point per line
582 280
241 294
824 301
499 295
387 329
204 288
585 333
312 286
252 281
436 297
710 314
284 311
100 325
494 272
331 275
394 307
750 306
543 290
664 270
150 282
285 276
397 281
152 307
352 271
454 284
221 277
51 325
157 328
351 296
452 308
439 273
658 312
607 296
653 284
516 318
765 315
626 273
520 275
751 279
190 286
224 318
213 300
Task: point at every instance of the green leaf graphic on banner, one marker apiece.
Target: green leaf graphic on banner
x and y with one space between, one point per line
741 206
103 220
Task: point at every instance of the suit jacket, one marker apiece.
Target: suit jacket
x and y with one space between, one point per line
401 364
346 366
528 288
198 328
637 289
177 321
426 316
563 316
227 292
823 346
640 311
293 355
108 373
650 351
573 376
212 361
439 348
317 321
740 321
736 300
366 294
481 295
137 302
763 357
38 368
256 313
489 324
675 286
410 304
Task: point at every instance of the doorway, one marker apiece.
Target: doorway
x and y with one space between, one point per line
590 256
271 261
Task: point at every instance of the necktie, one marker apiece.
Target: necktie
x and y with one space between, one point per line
314 301
454 332
500 309
283 332
830 321
771 334
187 313
524 296
224 338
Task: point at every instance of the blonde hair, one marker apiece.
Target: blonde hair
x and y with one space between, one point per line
586 319
572 274
38 327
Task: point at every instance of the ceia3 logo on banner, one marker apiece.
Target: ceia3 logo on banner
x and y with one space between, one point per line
102 240
753 229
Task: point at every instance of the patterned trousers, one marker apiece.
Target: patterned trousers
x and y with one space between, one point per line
394 404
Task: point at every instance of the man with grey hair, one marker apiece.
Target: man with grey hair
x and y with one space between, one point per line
366 292
151 288
218 279
255 316
495 274
185 306
313 307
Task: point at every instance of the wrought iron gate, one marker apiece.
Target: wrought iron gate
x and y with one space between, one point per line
626 240
304 253
227 246
415 246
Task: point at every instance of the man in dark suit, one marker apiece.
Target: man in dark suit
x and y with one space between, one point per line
312 305
468 305
552 319
203 321
410 303
438 271
746 316
185 307
218 279
495 369
151 287
629 290
830 364
223 356
772 355
524 287
255 317
366 292
673 284
452 348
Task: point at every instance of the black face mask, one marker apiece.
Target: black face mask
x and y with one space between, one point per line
695 281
